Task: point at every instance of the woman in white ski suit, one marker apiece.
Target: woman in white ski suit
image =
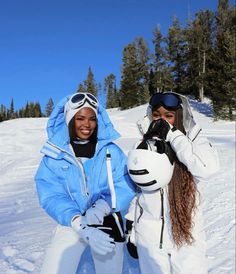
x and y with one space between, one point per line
152 230
83 184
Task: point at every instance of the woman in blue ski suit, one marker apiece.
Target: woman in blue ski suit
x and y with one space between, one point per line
82 183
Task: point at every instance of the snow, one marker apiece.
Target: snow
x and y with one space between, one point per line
26 230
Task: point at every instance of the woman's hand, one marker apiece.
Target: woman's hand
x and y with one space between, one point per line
99 241
130 239
162 129
96 213
158 128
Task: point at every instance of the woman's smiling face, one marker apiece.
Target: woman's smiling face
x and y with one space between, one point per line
85 123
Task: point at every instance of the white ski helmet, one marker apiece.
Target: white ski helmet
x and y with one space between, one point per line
149 170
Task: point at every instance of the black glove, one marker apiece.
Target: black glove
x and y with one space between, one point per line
132 249
165 147
158 128
112 224
161 147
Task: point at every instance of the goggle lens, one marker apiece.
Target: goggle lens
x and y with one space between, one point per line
79 100
168 100
92 97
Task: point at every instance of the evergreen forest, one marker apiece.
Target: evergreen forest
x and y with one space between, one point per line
197 59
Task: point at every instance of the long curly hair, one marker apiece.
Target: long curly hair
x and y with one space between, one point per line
182 192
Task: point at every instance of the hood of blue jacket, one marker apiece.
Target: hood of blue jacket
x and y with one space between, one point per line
58 133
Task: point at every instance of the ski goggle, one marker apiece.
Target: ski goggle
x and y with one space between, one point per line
79 99
168 100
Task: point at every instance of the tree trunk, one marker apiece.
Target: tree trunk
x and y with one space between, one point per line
201 89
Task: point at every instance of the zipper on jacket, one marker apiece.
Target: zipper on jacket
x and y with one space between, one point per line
141 210
79 164
162 217
84 176
196 134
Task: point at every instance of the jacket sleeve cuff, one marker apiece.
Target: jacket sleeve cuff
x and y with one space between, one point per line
172 135
74 218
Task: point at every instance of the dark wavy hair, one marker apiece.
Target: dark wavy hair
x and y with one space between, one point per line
182 192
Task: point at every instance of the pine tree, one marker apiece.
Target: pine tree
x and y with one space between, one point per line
26 110
135 74
99 94
31 109
82 87
224 96
21 113
17 114
176 56
37 110
3 113
129 78
110 91
152 84
160 77
89 85
143 70
8 116
199 55
11 111
49 107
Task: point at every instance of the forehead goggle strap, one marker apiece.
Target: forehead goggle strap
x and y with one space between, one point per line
79 99
168 100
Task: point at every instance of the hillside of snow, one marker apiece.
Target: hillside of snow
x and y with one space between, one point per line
25 230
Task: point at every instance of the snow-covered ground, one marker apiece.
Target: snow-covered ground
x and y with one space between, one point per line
25 230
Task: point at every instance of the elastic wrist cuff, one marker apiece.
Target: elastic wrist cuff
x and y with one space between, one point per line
74 218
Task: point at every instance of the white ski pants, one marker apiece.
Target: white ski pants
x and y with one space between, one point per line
161 262
64 253
188 259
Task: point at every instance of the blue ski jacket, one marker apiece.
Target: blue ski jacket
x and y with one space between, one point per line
65 186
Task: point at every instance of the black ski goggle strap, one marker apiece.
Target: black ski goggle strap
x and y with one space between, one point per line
169 101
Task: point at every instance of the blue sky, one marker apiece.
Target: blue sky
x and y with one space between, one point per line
46 46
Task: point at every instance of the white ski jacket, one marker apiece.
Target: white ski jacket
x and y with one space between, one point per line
152 233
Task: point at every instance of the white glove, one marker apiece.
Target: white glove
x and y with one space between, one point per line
99 241
96 213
